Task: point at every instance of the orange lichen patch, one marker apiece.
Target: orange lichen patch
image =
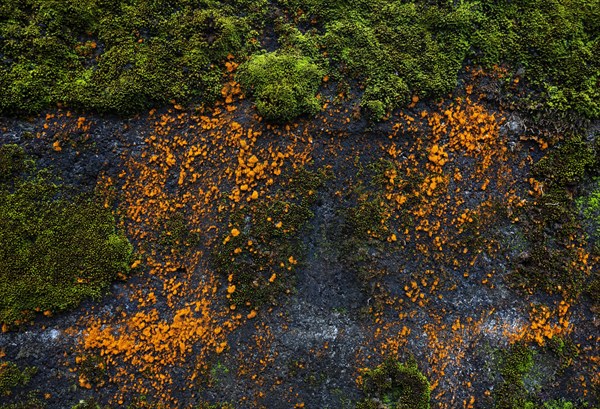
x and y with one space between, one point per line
151 343
544 324
193 168
448 344
393 340
466 135
437 155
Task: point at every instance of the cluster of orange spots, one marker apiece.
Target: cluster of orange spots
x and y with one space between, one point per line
415 291
466 135
537 187
250 170
544 324
595 362
191 168
437 156
447 345
431 183
393 341
582 262
151 343
191 164
64 129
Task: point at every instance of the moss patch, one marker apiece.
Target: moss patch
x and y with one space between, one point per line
515 363
56 248
263 247
552 223
119 56
395 385
284 85
12 377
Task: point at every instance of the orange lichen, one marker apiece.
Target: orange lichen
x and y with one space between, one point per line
544 324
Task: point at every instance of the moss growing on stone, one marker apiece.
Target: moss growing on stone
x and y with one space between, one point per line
56 248
284 85
515 363
12 377
552 222
119 56
260 257
395 385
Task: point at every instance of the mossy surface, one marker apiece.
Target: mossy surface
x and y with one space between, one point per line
124 56
284 85
516 366
553 223
395 385
119 56
391 48
515 363
11 377
56 248
261 252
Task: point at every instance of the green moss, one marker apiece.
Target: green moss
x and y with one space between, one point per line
381 95
56 249
126 55
284 85
177 233
559 404
30 402
368 219
119 56
12 162
272 225
553 43
396 385
12 377
566 165
515 363
552 226
394 49
565 350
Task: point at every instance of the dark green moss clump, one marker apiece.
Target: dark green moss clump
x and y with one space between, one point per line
552 222
515 363
559 404
123 56
119 56
395 385
392 48
566 165
56 249
30 402
284 85
261 259
368 219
